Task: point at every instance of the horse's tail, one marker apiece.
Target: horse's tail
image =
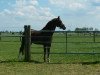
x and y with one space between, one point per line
21 50
22 45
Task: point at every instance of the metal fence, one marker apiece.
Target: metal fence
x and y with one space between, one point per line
72 37
63 43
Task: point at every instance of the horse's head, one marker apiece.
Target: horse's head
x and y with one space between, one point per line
60 24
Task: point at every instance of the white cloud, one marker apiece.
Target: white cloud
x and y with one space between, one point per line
96 1
76 6
86 7
7 11
95 12
26 12
58 2
79 12
20 13
29 9
69 4
33 2
31 12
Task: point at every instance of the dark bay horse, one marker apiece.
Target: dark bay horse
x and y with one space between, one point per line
44 36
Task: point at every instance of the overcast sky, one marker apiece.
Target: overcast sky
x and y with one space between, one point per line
14 14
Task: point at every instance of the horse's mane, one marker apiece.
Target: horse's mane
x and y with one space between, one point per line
49 24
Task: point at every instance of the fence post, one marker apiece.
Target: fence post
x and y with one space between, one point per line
94 36
27 43
66 41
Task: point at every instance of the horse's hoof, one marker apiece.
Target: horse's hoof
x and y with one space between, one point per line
48 60
20 57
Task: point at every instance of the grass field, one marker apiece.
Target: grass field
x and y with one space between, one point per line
61 64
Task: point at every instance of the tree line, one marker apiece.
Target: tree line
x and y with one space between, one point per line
85 29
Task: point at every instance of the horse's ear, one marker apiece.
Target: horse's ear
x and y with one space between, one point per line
58 17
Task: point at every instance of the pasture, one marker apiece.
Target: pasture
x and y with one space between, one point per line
70 61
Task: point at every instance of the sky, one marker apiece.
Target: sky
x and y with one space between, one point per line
14 14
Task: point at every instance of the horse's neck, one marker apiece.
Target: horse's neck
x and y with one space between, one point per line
50 28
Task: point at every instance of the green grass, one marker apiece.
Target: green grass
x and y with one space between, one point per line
61 64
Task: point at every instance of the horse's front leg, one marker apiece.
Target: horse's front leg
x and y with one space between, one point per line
48 54
44 53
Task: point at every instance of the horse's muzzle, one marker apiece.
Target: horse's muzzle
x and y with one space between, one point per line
63 27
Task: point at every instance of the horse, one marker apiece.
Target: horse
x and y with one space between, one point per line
44 36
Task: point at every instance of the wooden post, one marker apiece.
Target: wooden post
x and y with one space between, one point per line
27 43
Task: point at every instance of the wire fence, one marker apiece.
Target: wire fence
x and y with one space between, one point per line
67 46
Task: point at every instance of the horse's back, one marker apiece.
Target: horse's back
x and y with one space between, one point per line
39 37
36 37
